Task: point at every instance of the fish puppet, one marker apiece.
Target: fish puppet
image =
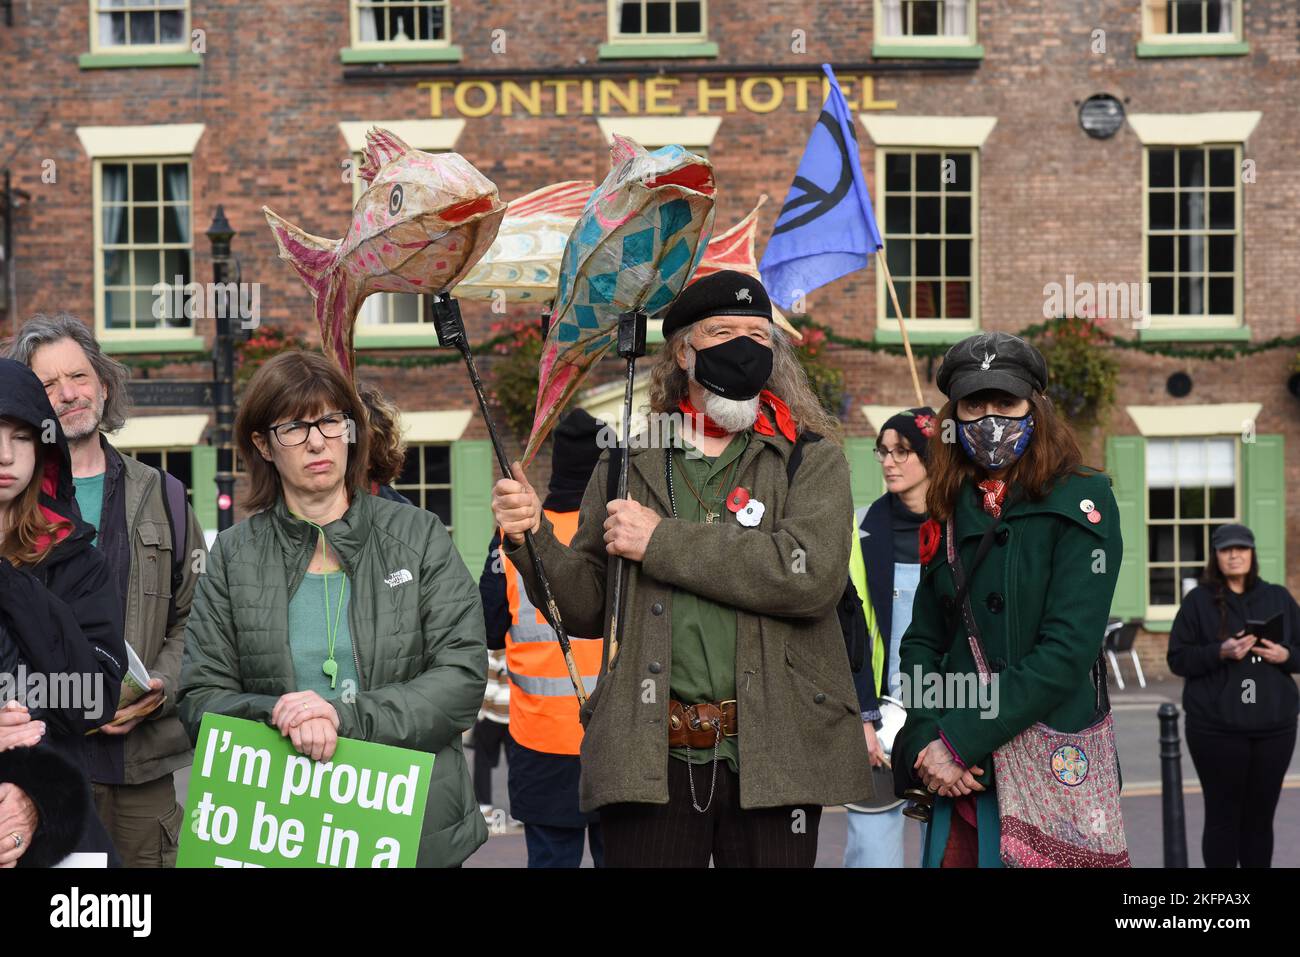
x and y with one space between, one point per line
422 223
523 264
640 236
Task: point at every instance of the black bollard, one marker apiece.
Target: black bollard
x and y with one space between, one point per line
1171 788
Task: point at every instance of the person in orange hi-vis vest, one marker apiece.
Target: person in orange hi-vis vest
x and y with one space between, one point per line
544 733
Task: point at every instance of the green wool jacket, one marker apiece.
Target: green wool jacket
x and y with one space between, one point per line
417 632
800 734
1041 600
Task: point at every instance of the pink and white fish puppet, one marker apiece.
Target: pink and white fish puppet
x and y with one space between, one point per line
423 222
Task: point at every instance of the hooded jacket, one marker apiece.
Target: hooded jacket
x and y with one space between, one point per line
60 620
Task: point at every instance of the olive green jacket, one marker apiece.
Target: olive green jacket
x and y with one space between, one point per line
417 634
1041 600
800 735
158 745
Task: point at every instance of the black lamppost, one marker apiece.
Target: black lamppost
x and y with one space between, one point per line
220 233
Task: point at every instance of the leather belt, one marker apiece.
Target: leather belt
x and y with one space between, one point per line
697 725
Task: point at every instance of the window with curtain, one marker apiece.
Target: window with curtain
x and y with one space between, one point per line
179 462
141 23
144 239
426 479
930 232
900 19
1193 227
402 21
1190 19
1191 489
658 19
386 310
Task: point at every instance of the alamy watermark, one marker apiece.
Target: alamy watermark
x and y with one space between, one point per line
67 691
948 691
1115 300
211 300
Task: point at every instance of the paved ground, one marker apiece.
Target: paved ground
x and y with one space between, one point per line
1137 733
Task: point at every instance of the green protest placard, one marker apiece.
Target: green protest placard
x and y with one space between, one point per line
256 802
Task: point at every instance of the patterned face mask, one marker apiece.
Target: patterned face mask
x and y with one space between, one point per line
996 441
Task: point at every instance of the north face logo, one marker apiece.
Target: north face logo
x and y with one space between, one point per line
744 294
400 577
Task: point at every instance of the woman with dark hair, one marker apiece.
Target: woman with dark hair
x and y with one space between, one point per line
1035 539
387 448
885 568
1235 640
61 644
332 612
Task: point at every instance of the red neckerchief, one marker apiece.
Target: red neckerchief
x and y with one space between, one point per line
994 492
762 424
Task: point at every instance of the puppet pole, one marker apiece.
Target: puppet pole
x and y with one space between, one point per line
902 327
631 344
451 332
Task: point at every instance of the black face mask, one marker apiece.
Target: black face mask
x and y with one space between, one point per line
735 369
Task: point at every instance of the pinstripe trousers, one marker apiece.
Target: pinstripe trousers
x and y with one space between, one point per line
677 835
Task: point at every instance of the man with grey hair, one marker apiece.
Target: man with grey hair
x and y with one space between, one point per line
725 718
154 546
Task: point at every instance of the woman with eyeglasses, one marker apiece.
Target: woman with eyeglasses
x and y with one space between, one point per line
888 538
335 613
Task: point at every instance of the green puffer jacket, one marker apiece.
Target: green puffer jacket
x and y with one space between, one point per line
417 630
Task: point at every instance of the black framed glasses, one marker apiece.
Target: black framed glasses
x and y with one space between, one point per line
332 426
899 454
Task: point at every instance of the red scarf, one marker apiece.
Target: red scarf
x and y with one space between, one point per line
994 492
762 424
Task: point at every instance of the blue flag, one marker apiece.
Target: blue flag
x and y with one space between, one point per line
827 228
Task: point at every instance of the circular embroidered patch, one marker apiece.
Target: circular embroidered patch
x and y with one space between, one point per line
1070 765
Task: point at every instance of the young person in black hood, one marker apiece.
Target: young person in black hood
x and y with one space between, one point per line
1239 697
61 649
889 539
544 732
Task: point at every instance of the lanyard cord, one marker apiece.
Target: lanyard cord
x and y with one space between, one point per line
330 667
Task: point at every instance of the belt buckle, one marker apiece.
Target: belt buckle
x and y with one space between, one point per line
722 707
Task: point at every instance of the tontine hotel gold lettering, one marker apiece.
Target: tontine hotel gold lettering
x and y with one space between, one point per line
650 96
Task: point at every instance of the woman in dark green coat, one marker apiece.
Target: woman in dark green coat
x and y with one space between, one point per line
332 613
1040 598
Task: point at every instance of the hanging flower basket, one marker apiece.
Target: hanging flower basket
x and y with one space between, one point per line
265 342
1083 373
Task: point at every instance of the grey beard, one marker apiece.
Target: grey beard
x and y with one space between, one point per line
734 415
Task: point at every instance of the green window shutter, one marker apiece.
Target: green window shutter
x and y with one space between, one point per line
1126 461
473 473
1264 503
864 471
203 471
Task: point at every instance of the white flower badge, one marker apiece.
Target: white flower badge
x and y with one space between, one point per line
751 514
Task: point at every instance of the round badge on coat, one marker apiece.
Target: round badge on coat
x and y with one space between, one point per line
751 514
738 499
1087 506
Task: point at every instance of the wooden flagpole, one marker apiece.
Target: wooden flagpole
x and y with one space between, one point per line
902 327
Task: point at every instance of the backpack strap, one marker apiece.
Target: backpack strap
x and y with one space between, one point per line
173 496
806 437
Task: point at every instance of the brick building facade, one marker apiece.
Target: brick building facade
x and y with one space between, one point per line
108 118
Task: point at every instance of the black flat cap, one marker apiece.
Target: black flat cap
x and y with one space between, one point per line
725 293
1227 536
992 360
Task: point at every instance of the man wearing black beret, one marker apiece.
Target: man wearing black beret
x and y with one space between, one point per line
726 719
